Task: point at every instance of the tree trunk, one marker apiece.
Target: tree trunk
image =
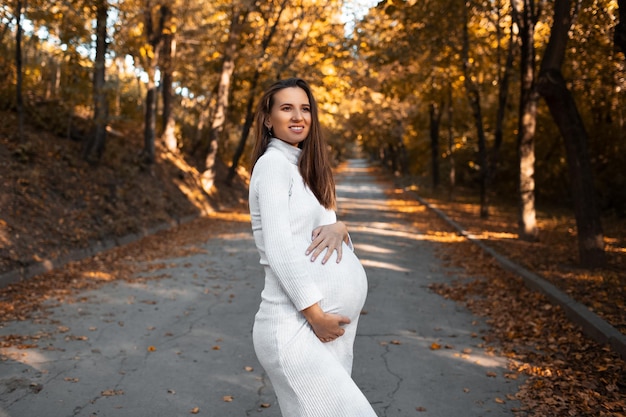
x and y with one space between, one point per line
245 132
473 94
619 38
452 173
155 39
503 97
148 154
222 99
435 118
94 146
168 136
19 99
524 14
552 86
250 105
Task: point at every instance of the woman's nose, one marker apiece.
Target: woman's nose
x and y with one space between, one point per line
297 115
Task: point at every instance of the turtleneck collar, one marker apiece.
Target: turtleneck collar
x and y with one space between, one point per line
291 152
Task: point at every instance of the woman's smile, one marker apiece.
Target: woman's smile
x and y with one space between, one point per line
290 116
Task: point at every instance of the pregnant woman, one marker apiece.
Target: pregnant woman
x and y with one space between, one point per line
315 286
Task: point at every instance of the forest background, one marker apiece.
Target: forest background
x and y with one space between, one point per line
121 115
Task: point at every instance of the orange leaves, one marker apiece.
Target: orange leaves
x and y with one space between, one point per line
562 372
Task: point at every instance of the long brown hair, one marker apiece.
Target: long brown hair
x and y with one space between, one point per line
314 163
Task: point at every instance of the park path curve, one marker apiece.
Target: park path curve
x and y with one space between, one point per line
181 344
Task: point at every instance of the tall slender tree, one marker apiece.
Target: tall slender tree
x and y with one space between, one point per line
552 86
525 16
154 31
168 57
503 80
474 97
620 28
19 99
268 33
94 145
435 119
239 16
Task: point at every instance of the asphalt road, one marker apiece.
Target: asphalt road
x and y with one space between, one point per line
181 344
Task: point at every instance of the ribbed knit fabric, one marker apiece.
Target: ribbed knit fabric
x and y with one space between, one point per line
310 378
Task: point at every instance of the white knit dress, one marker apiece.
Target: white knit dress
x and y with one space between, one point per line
310 378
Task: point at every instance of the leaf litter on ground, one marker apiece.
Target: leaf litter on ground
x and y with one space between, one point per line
565 372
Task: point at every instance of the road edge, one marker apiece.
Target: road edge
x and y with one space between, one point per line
46 265
592 325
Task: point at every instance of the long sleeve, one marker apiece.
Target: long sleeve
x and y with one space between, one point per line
273 178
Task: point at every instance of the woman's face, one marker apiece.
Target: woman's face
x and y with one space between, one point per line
290 115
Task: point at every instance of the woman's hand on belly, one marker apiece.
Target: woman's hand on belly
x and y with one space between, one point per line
327 326
329 236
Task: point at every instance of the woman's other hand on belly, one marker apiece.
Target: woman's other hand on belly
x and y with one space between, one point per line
331 237
327 326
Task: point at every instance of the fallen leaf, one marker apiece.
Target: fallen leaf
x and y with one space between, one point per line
228 398
151 349
194 410
112 392
435 346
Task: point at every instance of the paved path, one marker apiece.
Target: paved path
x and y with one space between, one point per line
181 345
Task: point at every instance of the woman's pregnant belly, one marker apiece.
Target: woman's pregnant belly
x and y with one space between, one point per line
343 284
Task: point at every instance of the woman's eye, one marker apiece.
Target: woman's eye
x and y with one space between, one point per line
306 109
